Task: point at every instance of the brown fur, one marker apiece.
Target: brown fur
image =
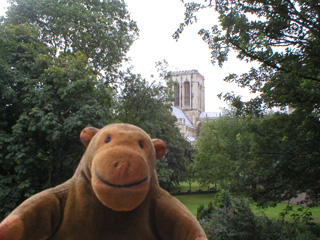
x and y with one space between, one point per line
114 194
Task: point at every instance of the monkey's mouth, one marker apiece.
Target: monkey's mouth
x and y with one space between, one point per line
120 186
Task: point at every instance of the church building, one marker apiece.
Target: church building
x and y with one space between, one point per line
189 103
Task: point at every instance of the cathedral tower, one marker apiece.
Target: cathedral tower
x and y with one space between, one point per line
188 103
189 93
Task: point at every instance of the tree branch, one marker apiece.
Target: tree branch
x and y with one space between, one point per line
269 64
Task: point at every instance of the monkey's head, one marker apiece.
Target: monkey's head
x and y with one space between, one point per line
122 159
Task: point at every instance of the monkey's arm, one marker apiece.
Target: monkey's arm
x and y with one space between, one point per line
36 218
175 222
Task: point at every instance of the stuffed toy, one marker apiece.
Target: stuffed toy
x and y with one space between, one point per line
113 195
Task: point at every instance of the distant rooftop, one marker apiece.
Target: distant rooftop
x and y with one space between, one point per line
210 115
185 72
180 114
190 138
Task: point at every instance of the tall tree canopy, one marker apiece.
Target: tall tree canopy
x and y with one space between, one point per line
45 102
102 30
283 37
266 157
217 151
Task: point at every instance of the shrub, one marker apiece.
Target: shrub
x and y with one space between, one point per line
233 219
233 222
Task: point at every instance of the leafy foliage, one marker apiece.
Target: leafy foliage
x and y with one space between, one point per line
102 30
235 220
273 158
218 152
203 212
284 155
46 102
282 36
19 50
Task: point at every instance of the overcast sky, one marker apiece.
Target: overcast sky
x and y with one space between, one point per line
157 21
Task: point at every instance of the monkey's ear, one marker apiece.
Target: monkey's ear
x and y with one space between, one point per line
160 147
87 134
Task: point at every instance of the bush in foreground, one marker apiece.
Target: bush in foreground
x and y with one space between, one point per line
233 219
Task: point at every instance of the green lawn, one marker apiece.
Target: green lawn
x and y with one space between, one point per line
273 212
184 187
192 202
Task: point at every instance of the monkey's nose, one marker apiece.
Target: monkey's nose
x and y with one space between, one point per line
119 165
121 168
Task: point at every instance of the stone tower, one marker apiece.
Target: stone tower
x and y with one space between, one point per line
189 93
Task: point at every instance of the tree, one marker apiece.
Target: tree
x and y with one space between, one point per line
189 175
19 49
45 104
147 106
269 158
231 218
102 30
283 37
218 151
284 158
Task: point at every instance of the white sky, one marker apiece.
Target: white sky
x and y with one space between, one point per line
157 21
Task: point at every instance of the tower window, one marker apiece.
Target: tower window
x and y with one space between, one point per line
176 94
187 93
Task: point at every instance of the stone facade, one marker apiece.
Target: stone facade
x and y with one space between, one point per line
189 102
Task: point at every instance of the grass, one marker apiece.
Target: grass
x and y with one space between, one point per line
273 212
184 187
192 202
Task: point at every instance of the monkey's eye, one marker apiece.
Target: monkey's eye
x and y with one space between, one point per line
140 144
108 139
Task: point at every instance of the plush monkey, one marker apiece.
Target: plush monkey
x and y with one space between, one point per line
113 195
